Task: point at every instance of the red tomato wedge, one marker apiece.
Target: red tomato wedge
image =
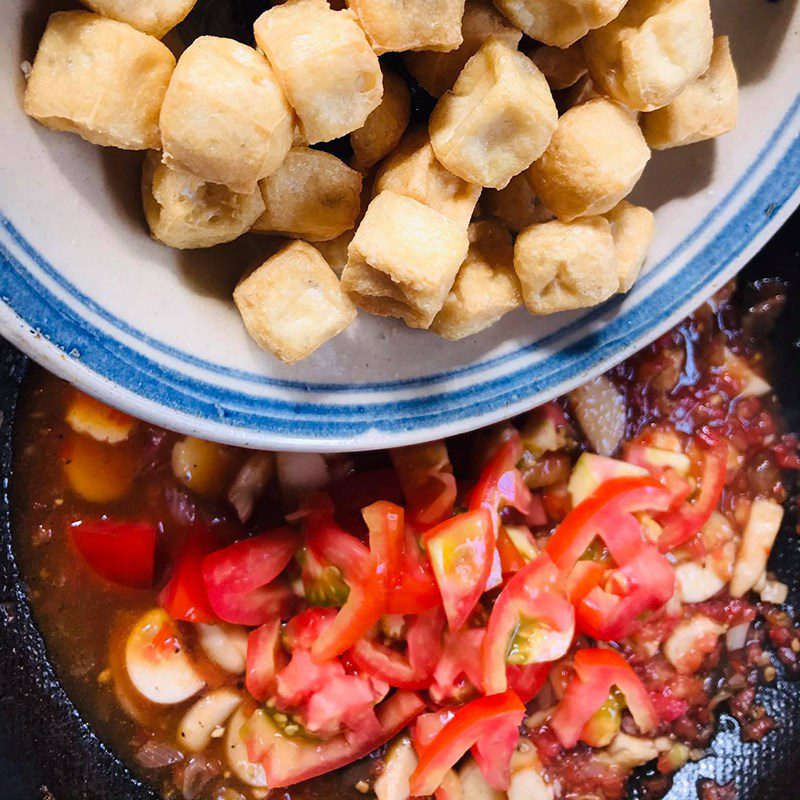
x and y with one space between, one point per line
501 484
429 485
644 583
596 672
685 521
368 583
386 525
480 718
237 577
494 748
265 659
532 622
607 513
184 597
121 552
414 590
527 681
461 551
413 670
289 760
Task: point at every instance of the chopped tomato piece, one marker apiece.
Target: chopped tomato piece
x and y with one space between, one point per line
585 575
461 552
323 584
303 629
596 673
237 577
516 547
429 485
342 701
289 760
303 676
494 748
413 670
184 597
527 680
532 622
460 662
360 489
265 659
120 552
501 484
415 589
368 584
644 583
685 521
386 525
607 513
478 719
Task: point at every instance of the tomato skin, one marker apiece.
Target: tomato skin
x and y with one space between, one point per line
265 659
470 723
238 577
685 521
649 581
288 760
606 513
303 629
415 590
493 750
534 593
368 586
461 551
120 552
184 597
596 672
527 680
428 483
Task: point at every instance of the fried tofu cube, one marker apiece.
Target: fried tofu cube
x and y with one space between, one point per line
312 195
566 265
437 72
413 171
486 286
385 126
155 17
293 303
393 26
516 206
101 79
562 67
594 159
185 212
651 51
498 118
225 118
632 229
707 107
559 22
403 259
325 64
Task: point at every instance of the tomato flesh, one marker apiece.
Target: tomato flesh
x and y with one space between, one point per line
185 597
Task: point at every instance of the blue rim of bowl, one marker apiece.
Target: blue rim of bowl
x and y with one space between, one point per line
320 416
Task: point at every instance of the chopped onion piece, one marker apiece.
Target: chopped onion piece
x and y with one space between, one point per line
736 637
156 755
600 410
300 474
249 484
774 592
757 540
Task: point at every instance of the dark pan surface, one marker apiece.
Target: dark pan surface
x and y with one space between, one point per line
44 742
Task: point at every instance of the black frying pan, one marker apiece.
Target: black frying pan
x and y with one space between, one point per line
45 746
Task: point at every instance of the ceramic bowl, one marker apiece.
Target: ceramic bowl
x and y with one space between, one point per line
88 294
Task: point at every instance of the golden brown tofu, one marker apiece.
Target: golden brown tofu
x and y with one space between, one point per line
225 118
707 107
396 25
651 51
594 159
325 64
101 79
293 303
486 286
566 265
403 259
497 120
632 229
413 171
385 126
185 212
155 17
559 22
436 72
312 195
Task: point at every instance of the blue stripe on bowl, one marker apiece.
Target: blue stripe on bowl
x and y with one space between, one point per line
319 421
